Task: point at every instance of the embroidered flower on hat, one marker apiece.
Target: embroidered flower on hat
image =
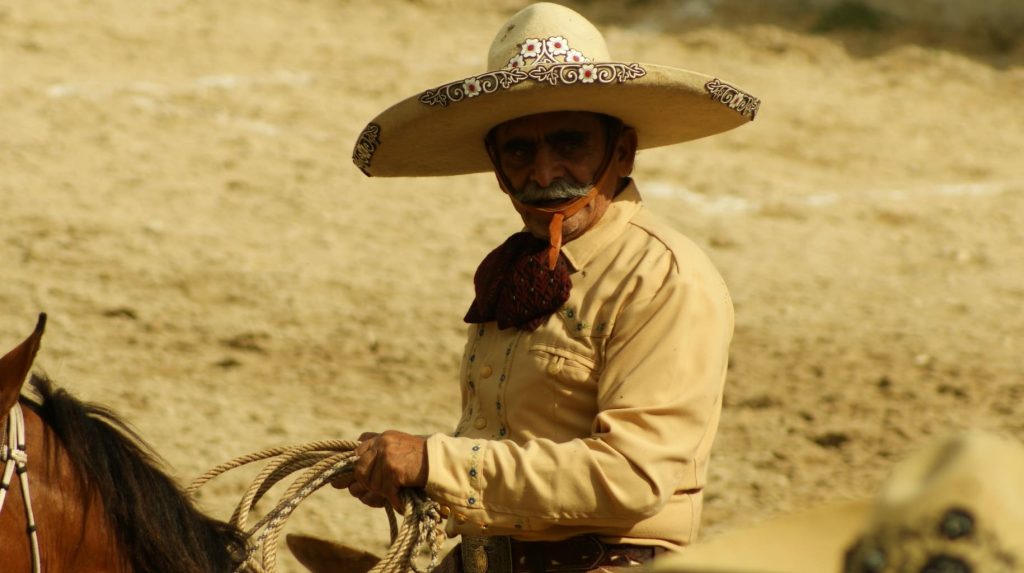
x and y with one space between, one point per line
550 50
557 45
549 60
587 73
472 87
575 57
531 48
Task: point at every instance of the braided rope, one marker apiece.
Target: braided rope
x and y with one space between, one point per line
420 534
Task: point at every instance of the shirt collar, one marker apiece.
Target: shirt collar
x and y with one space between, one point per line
581 250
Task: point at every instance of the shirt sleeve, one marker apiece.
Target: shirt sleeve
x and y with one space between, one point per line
659 396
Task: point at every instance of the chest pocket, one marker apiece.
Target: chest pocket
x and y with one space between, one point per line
569 371
573 382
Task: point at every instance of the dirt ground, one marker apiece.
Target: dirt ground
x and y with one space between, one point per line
177 195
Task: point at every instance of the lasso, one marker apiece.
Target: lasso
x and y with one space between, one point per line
324 461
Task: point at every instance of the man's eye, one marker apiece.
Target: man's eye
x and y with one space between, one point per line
518 152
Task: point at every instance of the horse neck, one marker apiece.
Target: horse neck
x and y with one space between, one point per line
157 527
73 531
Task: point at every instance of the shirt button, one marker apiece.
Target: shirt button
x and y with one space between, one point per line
480 423
486 372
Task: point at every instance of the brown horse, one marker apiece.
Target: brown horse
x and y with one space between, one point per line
100 501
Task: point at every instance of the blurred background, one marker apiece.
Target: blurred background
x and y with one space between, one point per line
177 194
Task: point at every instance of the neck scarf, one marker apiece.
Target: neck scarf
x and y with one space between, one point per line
516 287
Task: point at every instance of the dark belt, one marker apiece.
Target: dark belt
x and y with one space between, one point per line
584 553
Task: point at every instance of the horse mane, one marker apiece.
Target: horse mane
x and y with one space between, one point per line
172 535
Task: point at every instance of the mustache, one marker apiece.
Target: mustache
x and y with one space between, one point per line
559 189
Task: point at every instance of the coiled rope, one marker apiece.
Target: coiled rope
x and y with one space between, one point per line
324 461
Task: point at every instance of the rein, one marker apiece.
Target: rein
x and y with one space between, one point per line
15 459
323 462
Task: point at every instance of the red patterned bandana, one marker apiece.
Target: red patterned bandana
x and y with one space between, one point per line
515 287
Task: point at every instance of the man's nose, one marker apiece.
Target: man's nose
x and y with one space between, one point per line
546 167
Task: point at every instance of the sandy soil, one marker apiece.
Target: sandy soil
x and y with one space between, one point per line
177 195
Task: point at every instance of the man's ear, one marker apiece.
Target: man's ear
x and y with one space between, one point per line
625 153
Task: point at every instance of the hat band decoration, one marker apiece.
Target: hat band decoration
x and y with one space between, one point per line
737 99
472 87
552 61
365 147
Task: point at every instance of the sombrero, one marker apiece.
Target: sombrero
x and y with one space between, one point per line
545 58
954 507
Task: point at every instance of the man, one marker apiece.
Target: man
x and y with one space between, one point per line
598 339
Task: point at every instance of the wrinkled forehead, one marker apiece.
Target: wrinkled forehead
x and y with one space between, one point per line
539 125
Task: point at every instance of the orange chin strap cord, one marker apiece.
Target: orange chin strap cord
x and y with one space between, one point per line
560 214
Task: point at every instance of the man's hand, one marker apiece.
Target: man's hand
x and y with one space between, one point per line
386 463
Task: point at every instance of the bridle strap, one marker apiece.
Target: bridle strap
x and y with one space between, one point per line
14 456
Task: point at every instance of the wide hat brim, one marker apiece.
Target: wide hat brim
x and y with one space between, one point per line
441 131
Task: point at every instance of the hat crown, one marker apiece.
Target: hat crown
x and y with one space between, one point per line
546 33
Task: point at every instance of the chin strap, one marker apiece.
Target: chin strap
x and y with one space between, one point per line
561 213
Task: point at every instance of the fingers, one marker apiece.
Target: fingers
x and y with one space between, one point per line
367 497
395 500
388 462
372 483
370 470
362 470
342 481
365 445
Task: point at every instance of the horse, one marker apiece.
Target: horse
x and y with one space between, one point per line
98 499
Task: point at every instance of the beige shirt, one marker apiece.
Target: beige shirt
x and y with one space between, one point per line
601 420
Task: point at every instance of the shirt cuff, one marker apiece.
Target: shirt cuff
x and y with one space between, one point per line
456 480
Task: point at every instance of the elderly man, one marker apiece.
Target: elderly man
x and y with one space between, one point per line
598 339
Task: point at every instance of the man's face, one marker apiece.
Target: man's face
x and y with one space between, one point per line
551 158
